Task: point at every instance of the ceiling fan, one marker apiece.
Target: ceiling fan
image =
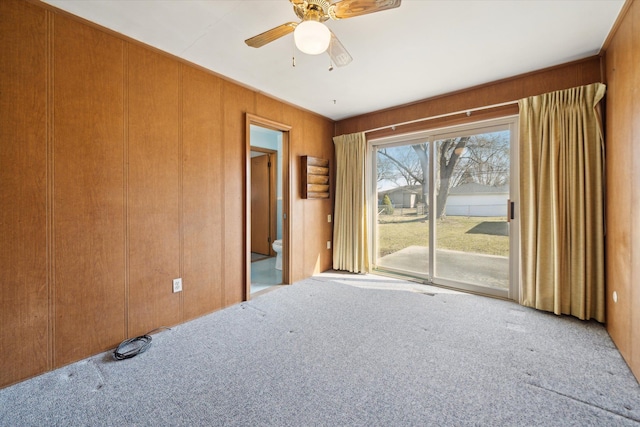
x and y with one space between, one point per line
311 35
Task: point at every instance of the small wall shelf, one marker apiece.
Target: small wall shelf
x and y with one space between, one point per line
315 178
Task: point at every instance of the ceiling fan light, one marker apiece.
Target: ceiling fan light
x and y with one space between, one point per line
312 37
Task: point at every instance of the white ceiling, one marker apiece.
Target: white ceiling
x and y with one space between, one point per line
422 49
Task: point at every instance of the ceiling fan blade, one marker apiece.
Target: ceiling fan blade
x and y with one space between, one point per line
350 8
271 35
339 55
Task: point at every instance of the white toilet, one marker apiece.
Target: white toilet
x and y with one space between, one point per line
277 247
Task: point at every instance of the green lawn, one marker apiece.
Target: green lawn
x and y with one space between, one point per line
469 234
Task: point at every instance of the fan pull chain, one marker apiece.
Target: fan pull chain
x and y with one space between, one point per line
293 54
330 58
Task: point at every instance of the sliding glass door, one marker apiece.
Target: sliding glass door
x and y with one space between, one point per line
445 207
402 212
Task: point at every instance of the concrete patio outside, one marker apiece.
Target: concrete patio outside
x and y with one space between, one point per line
479 269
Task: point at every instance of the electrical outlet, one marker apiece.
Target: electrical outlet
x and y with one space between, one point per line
177 285
329 218
328 244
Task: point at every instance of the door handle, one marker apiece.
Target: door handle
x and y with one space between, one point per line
511 210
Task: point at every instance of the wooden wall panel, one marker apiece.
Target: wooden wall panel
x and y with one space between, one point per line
618 197
328 151
24 292
269 108
297 136
89 191
317 257
310 208
203 202
507 90
237 102
623 186
154 197
634 85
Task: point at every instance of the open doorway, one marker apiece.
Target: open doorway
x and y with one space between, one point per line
267 204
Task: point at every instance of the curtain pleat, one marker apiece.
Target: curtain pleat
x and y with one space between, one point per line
562 202
350 245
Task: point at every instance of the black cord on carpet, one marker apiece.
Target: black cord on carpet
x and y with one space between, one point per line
134 346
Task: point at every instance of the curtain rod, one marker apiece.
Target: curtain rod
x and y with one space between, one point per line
424 119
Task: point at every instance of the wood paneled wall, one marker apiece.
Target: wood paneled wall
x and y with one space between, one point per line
153 188
622 145
202 175
88 190
123 168
25 260
508 90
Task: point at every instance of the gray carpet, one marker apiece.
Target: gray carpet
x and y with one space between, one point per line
348 350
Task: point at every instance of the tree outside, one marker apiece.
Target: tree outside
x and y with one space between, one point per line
482 159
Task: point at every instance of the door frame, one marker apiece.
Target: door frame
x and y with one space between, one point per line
251 119
430 136
273 182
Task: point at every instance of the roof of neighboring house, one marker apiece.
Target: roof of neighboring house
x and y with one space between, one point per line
417 189
474 188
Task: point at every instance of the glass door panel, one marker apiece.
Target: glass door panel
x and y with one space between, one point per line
472 176
402 215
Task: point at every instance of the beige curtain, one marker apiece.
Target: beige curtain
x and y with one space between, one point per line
562 202
350 245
